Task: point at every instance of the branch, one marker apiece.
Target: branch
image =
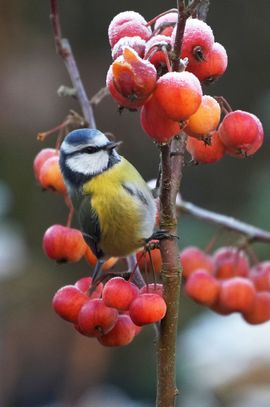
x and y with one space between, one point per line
171 273
63 48
251 232
172 162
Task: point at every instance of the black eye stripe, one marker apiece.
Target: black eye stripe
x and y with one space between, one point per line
91 149
87 150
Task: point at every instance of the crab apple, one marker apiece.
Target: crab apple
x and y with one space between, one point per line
119 293
260 311
164 24
237 294
68 301
85 283
40 159
132 77
230 262
91 259
193 258
136 43
50 176
179 94
116 95
202 287
156 124
121 334
240 131
153 288
260 275
95 318
147 308
198 40
63 244
128 24
209 70
206 152
144 260
206 118
153 49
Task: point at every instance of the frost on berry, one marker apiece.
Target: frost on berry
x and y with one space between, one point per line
128 24
136 43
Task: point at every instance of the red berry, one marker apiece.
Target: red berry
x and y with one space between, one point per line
128 24
213 67
153 288
237 294
202 287
239 132
230 262
198 40
119 293
147 308
156 124
206 153
260 275
157 58
95 318
193 258
144 261
260 311
179 95
85 283
136 43
122 333
132 77
68 301
164 25
63 244
50 176
40 159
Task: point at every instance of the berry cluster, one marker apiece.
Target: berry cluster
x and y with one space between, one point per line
227 283
114 312
141 76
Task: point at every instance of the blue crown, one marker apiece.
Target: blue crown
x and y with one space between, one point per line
82 136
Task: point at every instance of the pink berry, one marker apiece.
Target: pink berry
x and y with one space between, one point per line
202 287
119 293
128 24
68 301
95 318
147 308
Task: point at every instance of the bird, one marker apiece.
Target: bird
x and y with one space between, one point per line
115 208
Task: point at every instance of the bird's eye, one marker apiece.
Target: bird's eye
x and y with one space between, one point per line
90 150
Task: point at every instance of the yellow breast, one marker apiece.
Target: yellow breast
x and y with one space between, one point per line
120 215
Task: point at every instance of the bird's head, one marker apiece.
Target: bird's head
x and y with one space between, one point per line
85 153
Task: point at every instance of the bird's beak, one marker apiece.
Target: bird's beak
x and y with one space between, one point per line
112 144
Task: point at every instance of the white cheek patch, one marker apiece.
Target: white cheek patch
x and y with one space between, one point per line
88 164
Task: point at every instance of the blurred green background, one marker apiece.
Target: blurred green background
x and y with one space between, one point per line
43 360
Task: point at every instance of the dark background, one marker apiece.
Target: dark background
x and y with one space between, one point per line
42 359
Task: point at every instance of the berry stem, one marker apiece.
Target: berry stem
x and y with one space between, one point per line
63 48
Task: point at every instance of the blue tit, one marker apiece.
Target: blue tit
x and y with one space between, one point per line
115 207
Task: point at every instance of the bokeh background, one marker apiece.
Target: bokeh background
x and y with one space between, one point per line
43 361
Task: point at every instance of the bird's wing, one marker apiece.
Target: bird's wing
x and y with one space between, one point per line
90 225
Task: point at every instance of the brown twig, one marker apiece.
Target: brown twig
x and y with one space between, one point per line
63 48
171 175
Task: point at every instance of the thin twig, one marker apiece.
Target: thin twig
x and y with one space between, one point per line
251 232
64 50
